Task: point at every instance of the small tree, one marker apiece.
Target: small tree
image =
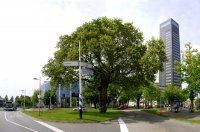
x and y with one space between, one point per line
197 103
6 98
17 101
34 98
28 102
46 98
137 95
151 93
90 94
12 98
49 97
172 93
189 70
114 91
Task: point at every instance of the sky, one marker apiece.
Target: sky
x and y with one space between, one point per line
30 30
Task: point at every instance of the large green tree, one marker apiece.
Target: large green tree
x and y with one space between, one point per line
189 70
116 51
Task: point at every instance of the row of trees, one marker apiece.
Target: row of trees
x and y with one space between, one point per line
121 60
19 100
189 69
6 98
34 100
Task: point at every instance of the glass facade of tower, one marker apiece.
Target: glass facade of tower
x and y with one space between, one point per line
169 32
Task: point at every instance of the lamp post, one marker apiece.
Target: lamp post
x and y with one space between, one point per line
39 96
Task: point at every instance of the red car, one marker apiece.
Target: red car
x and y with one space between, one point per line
122 107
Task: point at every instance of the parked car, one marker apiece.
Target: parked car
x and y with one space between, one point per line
77 108
122 107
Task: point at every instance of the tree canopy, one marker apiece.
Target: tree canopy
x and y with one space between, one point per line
189 69
116 51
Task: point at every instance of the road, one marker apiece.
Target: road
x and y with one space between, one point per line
16 121
135 121
138 121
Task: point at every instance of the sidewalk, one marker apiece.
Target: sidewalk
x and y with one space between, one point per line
184 113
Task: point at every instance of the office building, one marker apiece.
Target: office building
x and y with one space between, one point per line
169 32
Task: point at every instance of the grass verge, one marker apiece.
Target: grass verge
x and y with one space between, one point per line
155 112
68 115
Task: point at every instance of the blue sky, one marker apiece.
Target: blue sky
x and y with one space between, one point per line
30 29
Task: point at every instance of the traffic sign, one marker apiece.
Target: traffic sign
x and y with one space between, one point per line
70 63
87 71
76 63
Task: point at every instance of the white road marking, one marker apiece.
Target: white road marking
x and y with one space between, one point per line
123 127
49 126
19 124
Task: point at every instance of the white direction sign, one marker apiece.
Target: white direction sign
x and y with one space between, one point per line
86 71
76 63
70 63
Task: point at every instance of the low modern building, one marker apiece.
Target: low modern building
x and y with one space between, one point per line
45 87
63 94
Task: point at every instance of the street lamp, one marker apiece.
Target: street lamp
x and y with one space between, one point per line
39 96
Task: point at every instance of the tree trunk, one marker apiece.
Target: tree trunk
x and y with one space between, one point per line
138 103
103 100
103 94
192 106
95 105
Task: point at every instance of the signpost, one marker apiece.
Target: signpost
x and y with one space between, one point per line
90 72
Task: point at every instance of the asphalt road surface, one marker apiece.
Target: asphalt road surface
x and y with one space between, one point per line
16 121
135 121
138 121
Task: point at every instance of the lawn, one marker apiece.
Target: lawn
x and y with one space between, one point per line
68 115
